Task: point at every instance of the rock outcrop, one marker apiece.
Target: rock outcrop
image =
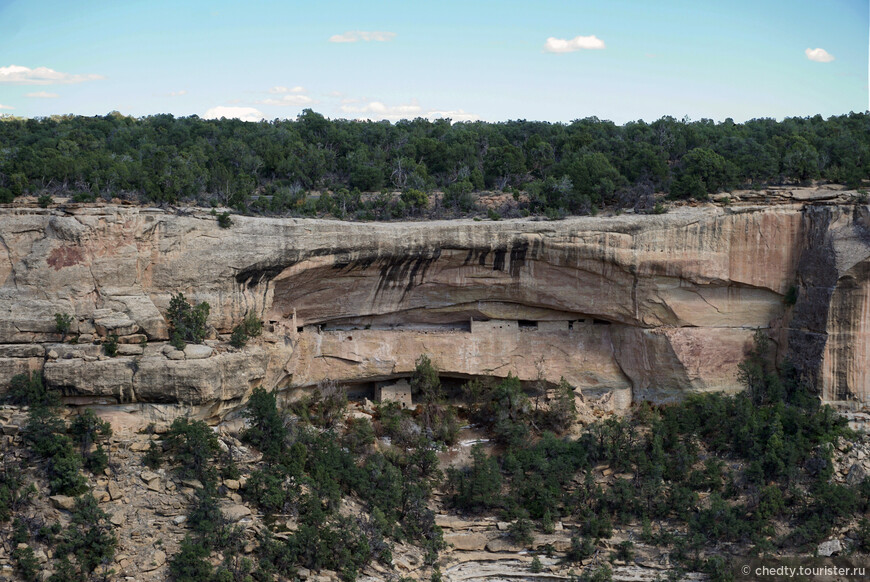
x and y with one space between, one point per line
643 307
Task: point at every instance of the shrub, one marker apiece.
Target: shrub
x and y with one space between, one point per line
64 471
188 322
522 531
416 200
205 516
153 457
863 536
45 433
267 489
83 197
478 487
224 220
582 548
90 430
360 435
45 200
601 573
28 390
562 411
13 493
625 551
326 405
27 564
63 322
193 445
191 563
266 431
251 326
110 346
89 536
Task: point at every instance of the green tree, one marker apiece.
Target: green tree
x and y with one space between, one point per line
266 430
193 445
92 432
187 322
89 536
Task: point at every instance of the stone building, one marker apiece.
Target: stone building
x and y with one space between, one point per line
399 392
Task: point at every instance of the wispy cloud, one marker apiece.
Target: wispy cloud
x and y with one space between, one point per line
41 76
282 90
819 55
288 96
364 35
42 95
243 113
6 106
290 100
178 93
570 45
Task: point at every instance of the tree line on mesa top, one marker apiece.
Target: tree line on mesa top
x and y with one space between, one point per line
551 168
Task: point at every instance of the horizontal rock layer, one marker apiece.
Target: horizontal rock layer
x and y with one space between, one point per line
651 306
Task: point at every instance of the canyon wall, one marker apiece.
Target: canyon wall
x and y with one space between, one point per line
639 307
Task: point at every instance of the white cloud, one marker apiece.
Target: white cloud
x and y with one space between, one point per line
458 115
569 45
178 93
42 95
293 100
6 106
377 110
41 76
243 113
819 55
357 35
281 90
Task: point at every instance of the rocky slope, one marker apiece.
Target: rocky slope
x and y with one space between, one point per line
148 511
639 307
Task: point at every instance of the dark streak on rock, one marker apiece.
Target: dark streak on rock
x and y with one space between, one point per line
817 274
498 261
256 274
518 257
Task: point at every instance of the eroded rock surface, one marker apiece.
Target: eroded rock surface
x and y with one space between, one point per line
643 307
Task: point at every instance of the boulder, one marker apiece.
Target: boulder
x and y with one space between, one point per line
109 377
141 309
469 542
117 324
115 491
130 350
856 475
197 351
503 544
63 502
235 512
154 561
829 548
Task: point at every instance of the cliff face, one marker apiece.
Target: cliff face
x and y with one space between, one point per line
643 307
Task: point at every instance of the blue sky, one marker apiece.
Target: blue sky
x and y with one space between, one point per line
490 60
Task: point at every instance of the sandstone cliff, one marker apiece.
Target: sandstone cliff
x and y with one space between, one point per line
641 307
